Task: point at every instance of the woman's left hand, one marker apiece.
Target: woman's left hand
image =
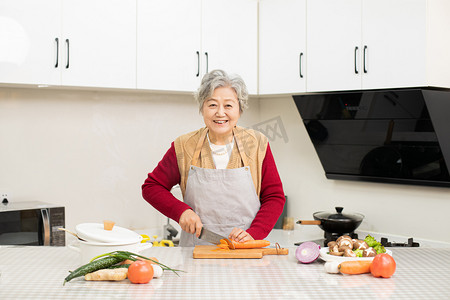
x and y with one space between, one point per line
240 235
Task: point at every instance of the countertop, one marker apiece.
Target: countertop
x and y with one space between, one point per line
38 273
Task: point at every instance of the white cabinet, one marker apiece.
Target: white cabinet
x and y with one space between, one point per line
282 46
367 44
102 43
230 38
67 42
168 44
28 45
179 41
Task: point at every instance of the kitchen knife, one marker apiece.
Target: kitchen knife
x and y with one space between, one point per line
214 238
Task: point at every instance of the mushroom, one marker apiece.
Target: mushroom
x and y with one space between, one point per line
349 253
360 245
331 244
345 243
334 250
369 252
343 237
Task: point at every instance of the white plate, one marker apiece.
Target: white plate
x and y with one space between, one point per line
327 257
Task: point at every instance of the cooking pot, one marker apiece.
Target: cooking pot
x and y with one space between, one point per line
335 222
97 241
89 250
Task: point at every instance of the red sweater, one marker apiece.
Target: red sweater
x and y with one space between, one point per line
157 186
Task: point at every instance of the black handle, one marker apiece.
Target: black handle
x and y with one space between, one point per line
67 42
206 54
300 64
57 51
364 64
339 209
356 69
198 64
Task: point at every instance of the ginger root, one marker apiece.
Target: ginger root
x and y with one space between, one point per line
108 274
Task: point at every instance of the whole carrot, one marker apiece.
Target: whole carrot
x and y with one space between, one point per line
251 244
355 267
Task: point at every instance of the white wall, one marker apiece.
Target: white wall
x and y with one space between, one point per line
90 151
413 211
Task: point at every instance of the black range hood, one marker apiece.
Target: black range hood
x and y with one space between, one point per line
393 136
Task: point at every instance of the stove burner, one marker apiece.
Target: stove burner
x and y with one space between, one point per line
410 243
334 236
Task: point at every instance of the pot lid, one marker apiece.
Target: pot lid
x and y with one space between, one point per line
339 216
94 232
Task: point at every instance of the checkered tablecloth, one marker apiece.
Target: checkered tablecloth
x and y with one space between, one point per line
39 272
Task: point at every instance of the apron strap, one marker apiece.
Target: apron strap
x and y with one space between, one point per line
198 148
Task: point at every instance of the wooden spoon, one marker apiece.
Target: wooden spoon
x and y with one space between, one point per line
72 233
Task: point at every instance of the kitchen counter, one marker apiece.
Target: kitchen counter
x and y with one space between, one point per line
39 272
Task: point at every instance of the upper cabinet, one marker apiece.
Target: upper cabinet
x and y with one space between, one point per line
98 43
366 44
67 42
30 34
168 44
179 41
282 46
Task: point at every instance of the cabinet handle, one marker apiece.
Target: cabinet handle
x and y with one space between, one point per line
206 54
364 59
300 64
356 69
198 64
57 51
67 42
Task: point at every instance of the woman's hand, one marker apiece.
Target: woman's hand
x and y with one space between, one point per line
240 235
190 222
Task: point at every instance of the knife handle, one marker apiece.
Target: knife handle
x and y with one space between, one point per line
275 251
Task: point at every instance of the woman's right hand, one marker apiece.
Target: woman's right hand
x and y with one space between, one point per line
190 222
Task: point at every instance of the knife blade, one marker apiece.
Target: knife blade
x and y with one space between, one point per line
214 238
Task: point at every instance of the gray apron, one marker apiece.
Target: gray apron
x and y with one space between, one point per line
222 198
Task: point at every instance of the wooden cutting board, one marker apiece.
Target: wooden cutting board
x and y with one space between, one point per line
210 251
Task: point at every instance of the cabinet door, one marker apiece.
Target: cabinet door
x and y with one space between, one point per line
333 46
168 51
28 49
394 33
282 46
99 39
229 38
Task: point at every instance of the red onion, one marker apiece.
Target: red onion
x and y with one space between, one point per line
307 252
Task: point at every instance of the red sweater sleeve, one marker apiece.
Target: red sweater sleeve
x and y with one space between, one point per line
271 197
157 186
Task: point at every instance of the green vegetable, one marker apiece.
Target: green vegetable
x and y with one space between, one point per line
119 266
109 260
358 252
372 242
93 266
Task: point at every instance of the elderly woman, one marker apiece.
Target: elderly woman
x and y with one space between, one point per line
227 174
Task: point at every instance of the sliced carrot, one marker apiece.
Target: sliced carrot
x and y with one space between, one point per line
251 244
355 267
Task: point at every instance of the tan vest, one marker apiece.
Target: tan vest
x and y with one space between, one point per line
253 142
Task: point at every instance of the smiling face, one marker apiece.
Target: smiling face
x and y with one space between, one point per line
220 114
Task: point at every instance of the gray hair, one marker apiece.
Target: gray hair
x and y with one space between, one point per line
219 78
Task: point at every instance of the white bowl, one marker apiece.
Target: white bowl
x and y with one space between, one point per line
89 250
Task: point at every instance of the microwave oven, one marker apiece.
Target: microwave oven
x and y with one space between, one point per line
32 223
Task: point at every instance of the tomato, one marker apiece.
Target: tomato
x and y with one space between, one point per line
383 265
140 272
